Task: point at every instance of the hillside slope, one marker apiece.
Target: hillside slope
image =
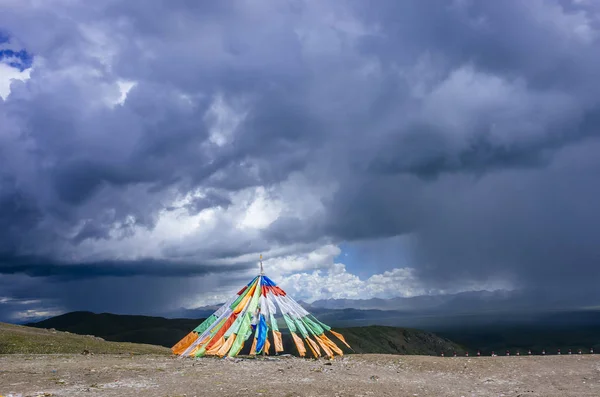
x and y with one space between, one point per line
17 339
394 340
122 328
167 332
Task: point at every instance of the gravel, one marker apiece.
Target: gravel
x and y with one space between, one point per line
355 375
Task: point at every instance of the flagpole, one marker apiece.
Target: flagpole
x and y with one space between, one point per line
262 272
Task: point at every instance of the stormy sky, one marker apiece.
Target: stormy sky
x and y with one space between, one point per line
151 150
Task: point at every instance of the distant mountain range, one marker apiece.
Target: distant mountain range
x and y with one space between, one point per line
167 332
378 331
463 302
454 302
436 311
486 320
481 320
466 302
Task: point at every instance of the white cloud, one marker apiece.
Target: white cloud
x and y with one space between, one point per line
124 87
7 75
26 309
336 282
35 314
315 275
224 119
573 26
320 258
179 232
260 211
13 301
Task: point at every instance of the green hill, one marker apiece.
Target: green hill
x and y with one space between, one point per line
394 340
122 328
17 339
166 332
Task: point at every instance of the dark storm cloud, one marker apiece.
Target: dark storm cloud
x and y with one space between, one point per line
539 227
40 267
34 298
108 167
528 213
470 126
494 182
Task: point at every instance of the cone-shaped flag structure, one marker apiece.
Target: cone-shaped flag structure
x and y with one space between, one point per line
252 314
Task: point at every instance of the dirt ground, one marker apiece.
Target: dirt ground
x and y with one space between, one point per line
356 375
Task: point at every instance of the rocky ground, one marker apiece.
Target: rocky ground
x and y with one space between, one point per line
356 375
